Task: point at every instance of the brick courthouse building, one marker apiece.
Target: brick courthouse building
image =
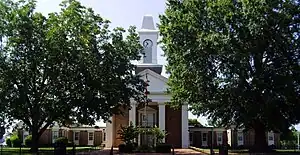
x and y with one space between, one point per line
157 113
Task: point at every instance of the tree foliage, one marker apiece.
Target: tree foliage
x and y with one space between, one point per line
237 61
65 67
195 122
289 139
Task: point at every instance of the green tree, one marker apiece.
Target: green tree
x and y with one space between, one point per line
65 67
215 123
289 138
235 60
194 122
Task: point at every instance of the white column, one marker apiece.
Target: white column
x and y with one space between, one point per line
184 127
162 117
109 134
132 114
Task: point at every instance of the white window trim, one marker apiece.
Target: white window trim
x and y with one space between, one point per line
240 142
92 136
271 142
53 135
219 135
204 143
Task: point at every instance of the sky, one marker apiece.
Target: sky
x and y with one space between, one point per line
121 13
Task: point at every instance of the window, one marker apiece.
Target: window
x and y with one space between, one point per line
271 137
76 137
240 138
60 133
219 137
55 134
91 136
204 136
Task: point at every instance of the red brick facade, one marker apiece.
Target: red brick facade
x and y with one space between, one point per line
247 139
47 137
173 126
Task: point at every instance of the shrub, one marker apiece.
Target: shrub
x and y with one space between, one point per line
28 141
8 142
62 140
128 133
15 140
144 149
122 148
163 148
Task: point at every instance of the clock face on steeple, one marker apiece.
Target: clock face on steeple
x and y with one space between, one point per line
147 43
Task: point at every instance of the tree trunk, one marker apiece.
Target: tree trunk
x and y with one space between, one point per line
36 134
35 139
260 142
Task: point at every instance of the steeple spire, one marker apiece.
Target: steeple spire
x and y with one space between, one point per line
148 39
148 23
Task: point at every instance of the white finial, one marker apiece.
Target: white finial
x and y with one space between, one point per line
148 22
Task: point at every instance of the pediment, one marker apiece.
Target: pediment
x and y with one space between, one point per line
147 108
157 83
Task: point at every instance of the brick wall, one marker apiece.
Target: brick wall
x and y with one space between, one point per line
46 137
173 126
119 120
197 138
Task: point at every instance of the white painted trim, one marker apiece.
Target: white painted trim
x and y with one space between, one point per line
157 98
109 134
149 110
207 129
53 135
204 143
162 117
229 137
91 142
132 115
85 129
184 127
158 76
219 135
76 142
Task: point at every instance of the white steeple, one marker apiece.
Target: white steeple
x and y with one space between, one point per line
148 39
148 23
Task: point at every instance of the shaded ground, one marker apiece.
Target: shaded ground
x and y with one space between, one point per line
177 152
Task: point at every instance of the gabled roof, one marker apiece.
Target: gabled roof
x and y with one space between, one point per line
158 76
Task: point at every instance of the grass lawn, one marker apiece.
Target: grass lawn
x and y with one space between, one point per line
43 151
245 151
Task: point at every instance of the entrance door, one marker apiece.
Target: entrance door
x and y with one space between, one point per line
91 138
